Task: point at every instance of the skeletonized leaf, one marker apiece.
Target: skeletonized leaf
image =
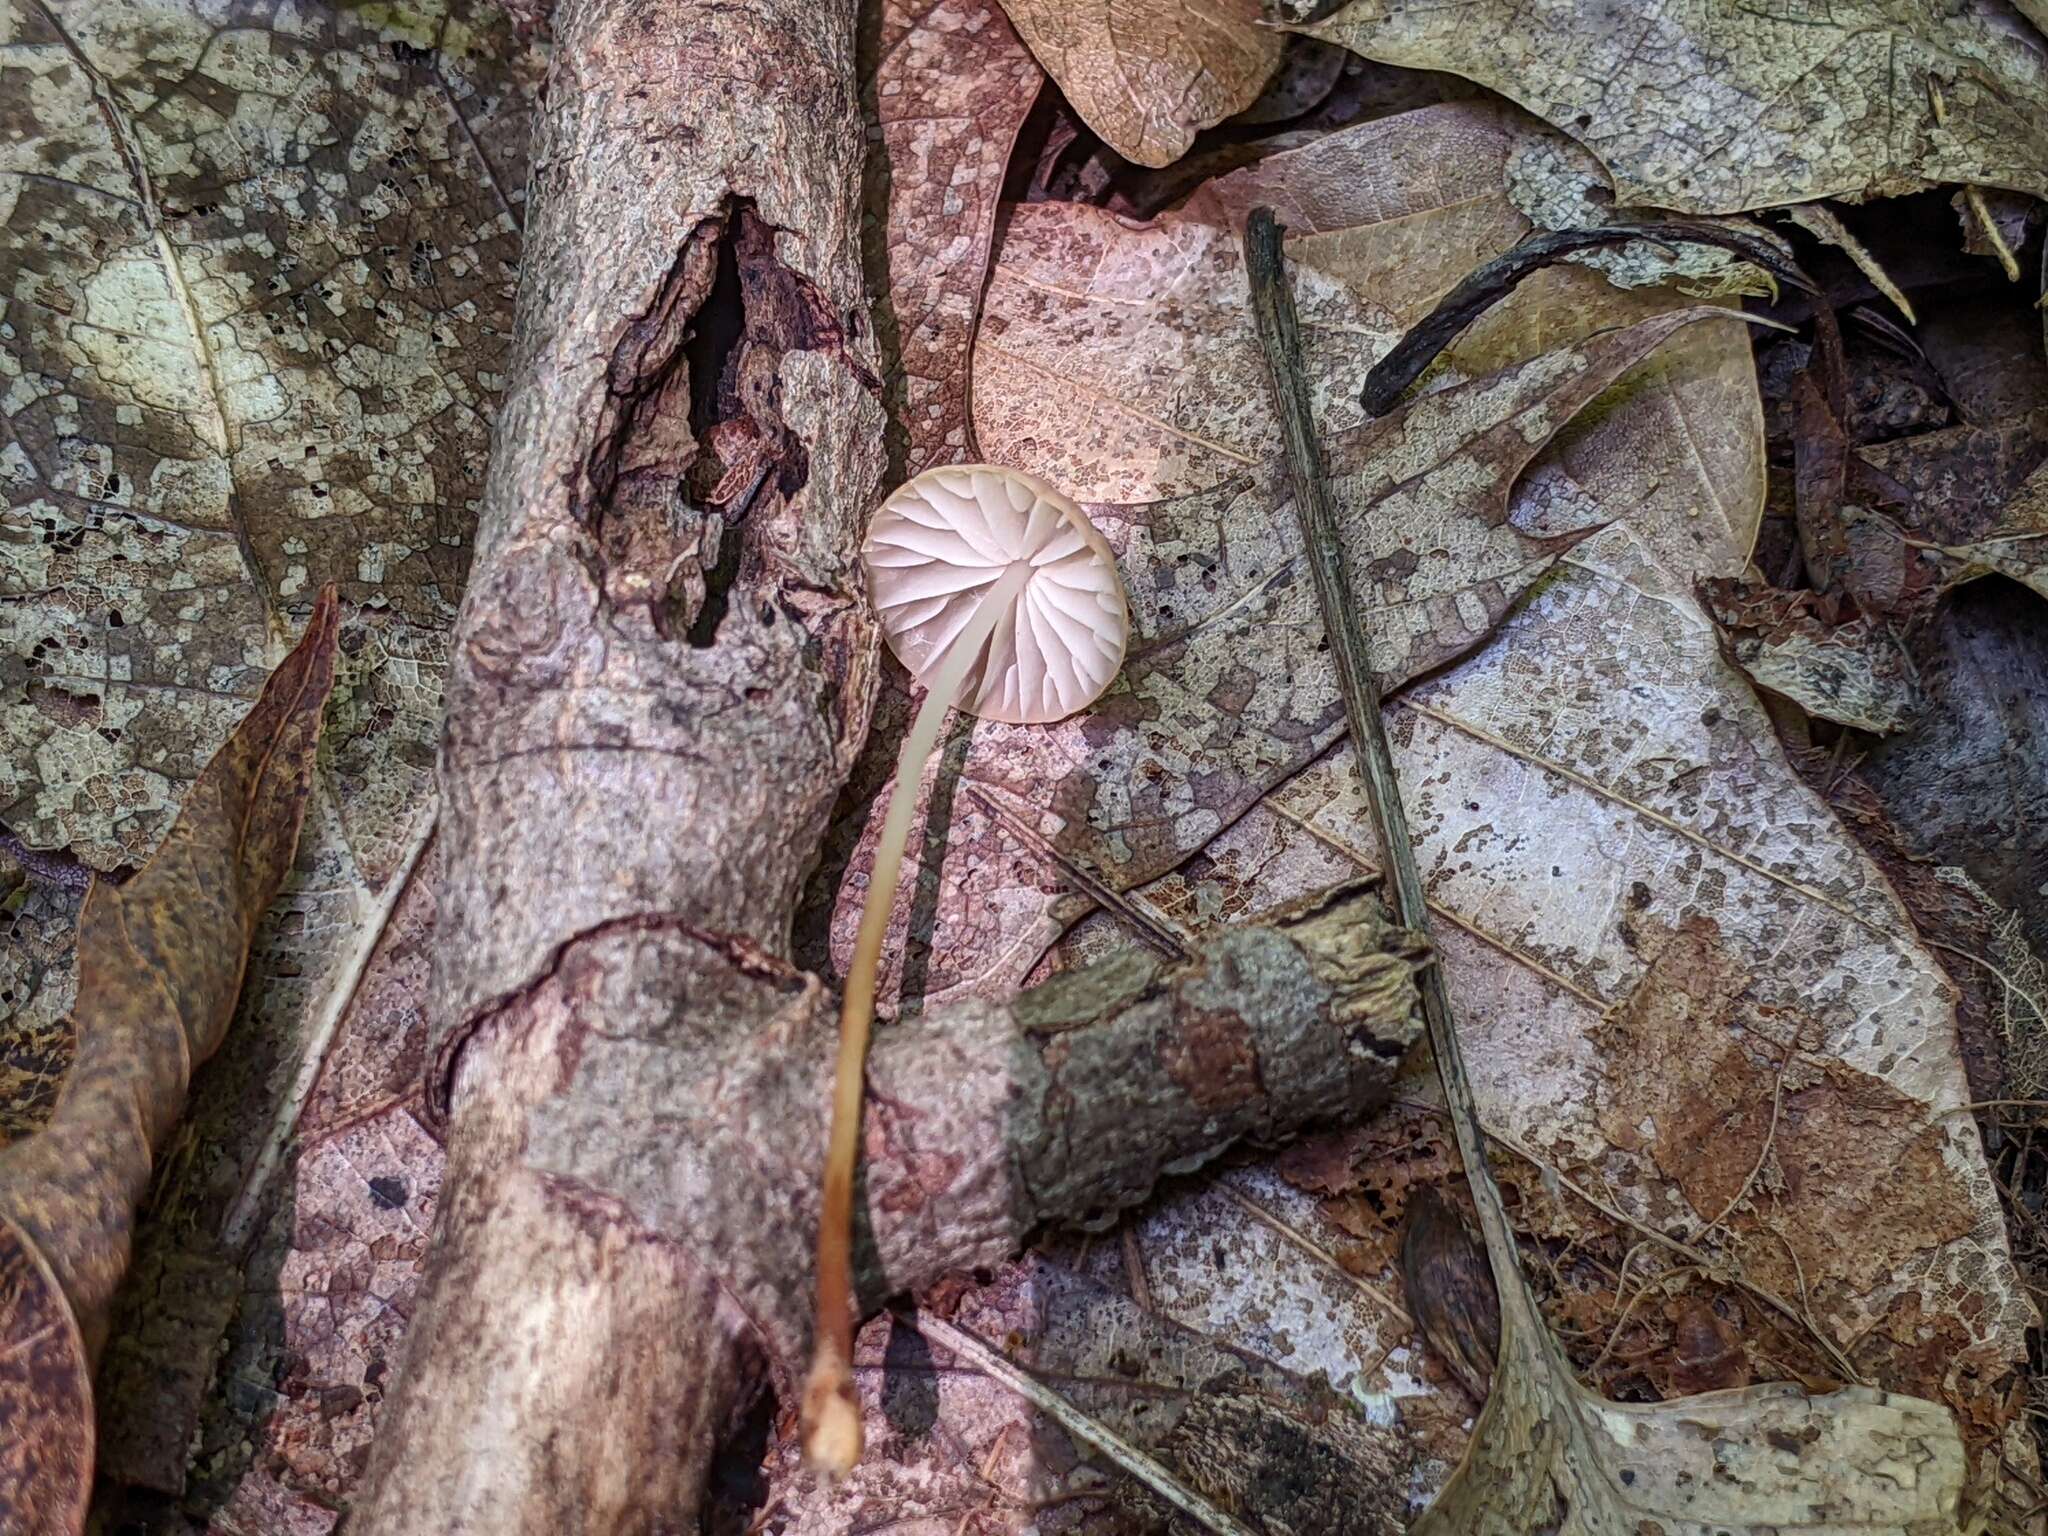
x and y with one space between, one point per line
160 965
1146 74
951 88
1712 106
1535 1463
1549 1455
258 282
1586 785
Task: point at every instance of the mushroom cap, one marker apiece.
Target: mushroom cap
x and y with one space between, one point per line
945 537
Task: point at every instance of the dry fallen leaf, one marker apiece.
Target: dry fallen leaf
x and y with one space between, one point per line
1977 494
1711 106
270 1424
1119 361
161 960
1146 74
952 86
1583 785
259 283
1802 645
1548 1455
247 360
1223 693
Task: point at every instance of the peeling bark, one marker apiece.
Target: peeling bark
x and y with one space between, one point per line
659 685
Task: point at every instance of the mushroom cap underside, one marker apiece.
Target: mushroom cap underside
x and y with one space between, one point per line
944 540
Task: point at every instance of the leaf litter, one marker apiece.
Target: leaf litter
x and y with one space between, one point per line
1604 700
1708 106
259 284
160 962
1546 1453
1672 799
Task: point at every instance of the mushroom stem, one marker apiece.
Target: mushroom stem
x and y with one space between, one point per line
831 1417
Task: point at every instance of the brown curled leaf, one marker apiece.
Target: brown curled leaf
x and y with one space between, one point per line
160 967
1449 1290
1147 74
1830 662
1977 496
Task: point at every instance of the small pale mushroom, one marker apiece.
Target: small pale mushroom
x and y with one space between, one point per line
997 594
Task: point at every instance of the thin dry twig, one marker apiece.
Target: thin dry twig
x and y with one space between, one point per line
1314 1250
1114 1446
1134 1269
1652 1283
1770 1135
1148 926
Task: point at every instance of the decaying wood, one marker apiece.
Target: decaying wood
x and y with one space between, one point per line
649 718
643 704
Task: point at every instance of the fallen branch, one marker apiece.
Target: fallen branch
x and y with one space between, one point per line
647 730
635 1204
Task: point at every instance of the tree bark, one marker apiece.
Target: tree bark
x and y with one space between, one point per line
662 674
624 1251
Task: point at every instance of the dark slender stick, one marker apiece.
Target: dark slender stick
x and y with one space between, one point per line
1485 286
1147 927
1280 337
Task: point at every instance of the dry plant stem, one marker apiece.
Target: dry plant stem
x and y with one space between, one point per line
832 1438
1130 909
1280 336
